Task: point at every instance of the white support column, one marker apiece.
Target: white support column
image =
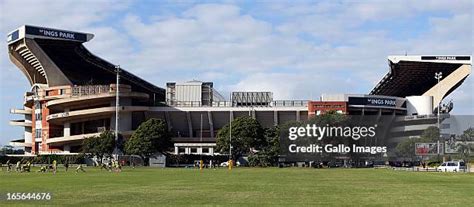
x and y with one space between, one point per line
67 126
176 150
211 123
190 123
67 129
298 115
168 120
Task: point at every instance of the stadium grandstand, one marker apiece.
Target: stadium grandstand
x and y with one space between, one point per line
73 95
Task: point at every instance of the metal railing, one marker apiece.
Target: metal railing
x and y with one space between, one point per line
428 116
277 103
90 90
290 103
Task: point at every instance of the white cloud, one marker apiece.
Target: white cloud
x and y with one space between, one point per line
309 86
297 50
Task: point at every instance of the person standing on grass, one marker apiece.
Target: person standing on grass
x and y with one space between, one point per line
18 166
66 165
27 167
55 166
119 167
9 166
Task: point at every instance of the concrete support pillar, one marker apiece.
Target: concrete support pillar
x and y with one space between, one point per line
298 115
168 120
176 150
211 150
211 123
275 118
67 129
190 123
439 91
67 126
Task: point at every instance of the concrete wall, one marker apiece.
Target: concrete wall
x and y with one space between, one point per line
420 105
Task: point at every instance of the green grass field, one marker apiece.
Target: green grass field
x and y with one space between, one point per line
243 186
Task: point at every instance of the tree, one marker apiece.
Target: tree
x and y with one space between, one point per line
465 148
431 134
247 134
329 118
7 149
406 148
268 155
151 136
101 145
468 134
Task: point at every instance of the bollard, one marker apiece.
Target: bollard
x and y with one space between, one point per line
230 164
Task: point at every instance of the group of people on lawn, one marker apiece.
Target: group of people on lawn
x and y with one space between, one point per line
20 167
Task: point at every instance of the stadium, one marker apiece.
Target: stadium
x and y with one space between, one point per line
73 96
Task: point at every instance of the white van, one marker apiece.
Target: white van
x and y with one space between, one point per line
452 166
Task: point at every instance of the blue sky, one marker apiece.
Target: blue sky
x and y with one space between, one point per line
297 50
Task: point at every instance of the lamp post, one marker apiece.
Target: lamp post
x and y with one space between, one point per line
230 139
438 77
116 151
201 162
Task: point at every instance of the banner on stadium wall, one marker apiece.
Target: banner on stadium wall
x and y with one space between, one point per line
422 149
372 101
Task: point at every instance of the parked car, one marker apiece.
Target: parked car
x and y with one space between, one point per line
452 166
226 164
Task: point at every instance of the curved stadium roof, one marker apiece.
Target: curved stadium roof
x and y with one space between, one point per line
414 75
64 50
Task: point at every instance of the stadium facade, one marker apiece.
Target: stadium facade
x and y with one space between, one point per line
73 95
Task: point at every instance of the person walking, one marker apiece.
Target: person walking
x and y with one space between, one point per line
79 167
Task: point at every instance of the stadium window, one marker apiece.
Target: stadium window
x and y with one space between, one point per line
193 150
38 117
37 105
38 133
181 150
205 150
